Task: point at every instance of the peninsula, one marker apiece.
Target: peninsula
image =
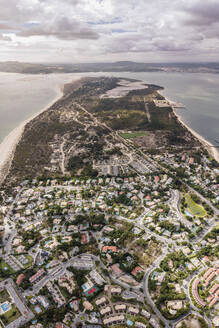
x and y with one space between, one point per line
109 215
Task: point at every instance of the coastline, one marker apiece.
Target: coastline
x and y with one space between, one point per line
211 149
8 145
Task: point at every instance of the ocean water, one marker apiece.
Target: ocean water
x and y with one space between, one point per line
198 92
22 96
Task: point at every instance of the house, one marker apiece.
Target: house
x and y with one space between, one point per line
20 249
96 277
186 251
120 307
146 314
105 311
101 301
114 320
154 323
140 325
136 270
214 288
74 304
116 270
59 325
36 276
175 305
214 300
116 290
112 249
20 278
195 293
209 279
133 310
43 301
88 306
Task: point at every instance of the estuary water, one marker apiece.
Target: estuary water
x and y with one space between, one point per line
198 92
22 96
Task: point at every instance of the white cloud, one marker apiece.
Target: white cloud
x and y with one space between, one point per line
92 30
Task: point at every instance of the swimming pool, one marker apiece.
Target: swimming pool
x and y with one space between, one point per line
5 307
38 309
129 323
188 213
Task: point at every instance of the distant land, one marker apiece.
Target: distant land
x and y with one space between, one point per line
120 66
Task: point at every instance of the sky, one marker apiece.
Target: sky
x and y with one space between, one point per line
73 31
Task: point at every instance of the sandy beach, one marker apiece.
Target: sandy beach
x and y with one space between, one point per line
213 151
8 145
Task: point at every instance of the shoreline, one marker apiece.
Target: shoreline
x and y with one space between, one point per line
10 142
211 149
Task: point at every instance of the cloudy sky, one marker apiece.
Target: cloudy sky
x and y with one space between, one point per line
109 30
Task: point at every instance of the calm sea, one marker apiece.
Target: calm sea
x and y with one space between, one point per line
21 96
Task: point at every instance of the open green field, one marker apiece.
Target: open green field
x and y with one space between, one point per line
194 208
4 296
133 135
30 261
5 267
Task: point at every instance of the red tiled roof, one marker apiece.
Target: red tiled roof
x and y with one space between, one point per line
37 275
136 270
59 325
20 278
214 288
109 248
215 299
83 238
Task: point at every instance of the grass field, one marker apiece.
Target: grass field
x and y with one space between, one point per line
133 135
194 208
5 267
4 296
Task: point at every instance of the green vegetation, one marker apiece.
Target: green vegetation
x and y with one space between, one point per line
5 268
133 134
194 208
4 296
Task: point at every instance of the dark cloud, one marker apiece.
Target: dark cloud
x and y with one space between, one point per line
203 13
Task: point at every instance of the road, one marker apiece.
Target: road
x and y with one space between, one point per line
174 202
147 293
